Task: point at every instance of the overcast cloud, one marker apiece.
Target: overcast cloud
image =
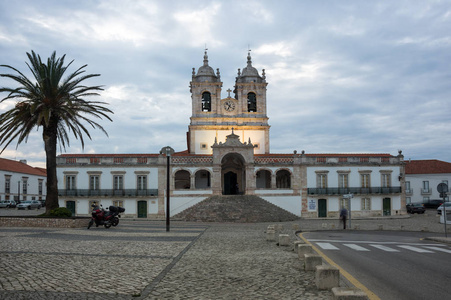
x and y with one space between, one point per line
344 76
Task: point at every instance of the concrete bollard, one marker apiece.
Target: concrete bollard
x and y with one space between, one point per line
284 240
327 277
271 235
311 261
304 249
346 293
296 243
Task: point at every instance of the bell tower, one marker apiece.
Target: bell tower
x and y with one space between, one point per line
214 118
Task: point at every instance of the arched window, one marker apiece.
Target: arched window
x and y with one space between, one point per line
283 179
182 180
251 102
202 179
263 179
206 101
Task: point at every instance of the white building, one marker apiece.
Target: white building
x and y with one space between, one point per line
229 153
20 182
423 177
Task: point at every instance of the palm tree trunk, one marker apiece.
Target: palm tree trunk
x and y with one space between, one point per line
50 139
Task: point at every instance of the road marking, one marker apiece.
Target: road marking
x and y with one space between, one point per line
349 277
384 248
439 249
327 246
415 249
356 247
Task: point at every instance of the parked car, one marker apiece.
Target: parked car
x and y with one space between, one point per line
415 208
433 203
7 203
29 204
447 206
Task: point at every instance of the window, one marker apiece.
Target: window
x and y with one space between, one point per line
366 204
342 180
203 146
344 203
202 179
251 102
283 179
70 182
425 199
182 180
142 182
386 180
118 182
206 101
321 180
40 186
94 182
408 200
24 185
407 186
118 203
7 185
365 180
425 186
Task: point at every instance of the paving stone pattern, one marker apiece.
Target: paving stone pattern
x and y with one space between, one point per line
140 260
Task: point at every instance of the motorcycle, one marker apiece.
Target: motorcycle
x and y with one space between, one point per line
106 218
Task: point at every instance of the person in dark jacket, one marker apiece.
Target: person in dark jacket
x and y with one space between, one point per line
344 216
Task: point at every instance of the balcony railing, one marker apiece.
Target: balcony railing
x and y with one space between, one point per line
354 190
108 193
426 191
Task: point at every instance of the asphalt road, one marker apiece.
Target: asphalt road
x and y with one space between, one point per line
393 265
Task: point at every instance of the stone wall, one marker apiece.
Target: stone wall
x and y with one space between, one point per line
44 222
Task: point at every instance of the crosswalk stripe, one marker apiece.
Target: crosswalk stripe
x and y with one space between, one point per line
415 249
384 248
356 247
327 246
439 249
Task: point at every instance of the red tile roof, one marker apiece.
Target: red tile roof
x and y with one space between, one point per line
431 166
19 167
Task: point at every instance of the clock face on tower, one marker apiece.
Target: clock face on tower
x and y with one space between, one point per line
229 105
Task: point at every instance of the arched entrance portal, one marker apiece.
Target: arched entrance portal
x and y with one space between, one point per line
233 174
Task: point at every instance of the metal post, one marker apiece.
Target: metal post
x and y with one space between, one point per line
18 192
168 192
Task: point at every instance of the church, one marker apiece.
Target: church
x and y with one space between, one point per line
228 153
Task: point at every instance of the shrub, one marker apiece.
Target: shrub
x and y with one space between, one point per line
60 212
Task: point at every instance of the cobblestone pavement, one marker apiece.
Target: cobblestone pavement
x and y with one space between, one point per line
140 260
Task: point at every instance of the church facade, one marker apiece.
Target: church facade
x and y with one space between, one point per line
229 153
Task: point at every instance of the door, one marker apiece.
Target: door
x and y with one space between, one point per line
70 205
230 183
322 208
386 207
142 209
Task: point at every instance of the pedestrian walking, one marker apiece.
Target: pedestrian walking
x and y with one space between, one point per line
343 216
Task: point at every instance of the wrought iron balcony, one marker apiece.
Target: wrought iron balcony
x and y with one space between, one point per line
108 193
354 190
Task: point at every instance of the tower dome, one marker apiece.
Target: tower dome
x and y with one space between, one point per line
205 72
249 74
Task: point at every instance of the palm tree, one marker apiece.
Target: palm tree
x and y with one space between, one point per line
53 103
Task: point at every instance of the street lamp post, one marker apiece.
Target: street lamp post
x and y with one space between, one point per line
168 151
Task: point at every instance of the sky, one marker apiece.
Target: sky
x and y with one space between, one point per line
343 76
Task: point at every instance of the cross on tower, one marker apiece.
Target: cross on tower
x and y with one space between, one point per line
228 91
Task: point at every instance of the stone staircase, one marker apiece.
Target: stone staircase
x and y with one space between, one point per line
235 208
